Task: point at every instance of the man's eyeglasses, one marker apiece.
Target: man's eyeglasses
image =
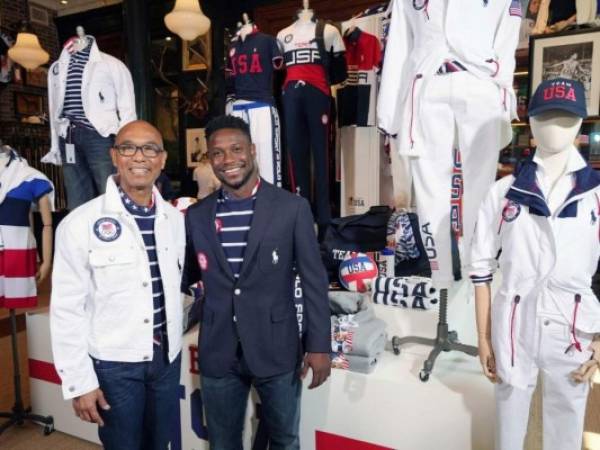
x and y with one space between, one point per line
148 150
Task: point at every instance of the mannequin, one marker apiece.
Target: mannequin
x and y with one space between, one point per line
313 62
82 41
247 27
205 178
305 14
448 108
545 317
90 96
252 58
21 187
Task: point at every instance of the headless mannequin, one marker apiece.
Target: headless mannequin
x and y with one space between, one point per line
554 132
247 28
81 41
46 214
305 14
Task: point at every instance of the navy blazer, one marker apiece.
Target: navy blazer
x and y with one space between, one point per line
262 298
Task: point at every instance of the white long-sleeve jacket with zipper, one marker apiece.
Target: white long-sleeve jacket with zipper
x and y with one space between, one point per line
545 259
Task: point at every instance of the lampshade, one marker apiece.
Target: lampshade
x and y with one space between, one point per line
187 20
28 52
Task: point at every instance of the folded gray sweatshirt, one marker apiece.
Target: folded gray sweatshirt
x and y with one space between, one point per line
345 302
360 364
356 335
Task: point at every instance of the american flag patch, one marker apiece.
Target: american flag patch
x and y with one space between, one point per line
515 8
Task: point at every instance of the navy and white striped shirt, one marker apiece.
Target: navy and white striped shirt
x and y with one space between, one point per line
233 221
72 104
144 217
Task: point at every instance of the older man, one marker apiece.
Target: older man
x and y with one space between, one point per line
116 309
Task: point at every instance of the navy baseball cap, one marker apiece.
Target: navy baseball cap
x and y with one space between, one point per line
561 94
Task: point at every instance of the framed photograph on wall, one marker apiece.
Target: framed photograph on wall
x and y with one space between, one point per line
574 55
196 54
195 146
28 104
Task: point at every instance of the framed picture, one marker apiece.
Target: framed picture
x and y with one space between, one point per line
574 55
195 146
37 77
196 54
28 104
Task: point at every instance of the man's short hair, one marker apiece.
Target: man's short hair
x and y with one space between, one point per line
221 122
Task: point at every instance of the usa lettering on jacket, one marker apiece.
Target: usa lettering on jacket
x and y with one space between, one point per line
240 65
302 56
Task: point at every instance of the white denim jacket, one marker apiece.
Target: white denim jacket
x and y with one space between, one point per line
101 303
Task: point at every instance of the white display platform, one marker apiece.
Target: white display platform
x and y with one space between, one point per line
389 408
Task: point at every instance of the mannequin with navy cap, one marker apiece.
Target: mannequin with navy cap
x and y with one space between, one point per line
545 319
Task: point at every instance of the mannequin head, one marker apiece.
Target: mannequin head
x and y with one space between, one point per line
555 131
305 14
4 156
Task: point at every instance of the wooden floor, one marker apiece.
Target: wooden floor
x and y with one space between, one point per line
31 437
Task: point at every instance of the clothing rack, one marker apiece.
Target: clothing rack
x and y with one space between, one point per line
19 414
444 341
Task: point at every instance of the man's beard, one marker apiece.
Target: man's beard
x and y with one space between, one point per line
243 181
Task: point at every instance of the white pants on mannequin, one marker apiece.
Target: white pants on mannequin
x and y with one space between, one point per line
265 130
456 109
564 400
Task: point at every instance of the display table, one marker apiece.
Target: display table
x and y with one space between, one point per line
389 408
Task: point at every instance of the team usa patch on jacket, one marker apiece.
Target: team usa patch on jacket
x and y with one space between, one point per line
511 211
107 229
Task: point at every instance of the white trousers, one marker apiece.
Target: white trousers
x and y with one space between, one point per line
564 401
265 131
456 111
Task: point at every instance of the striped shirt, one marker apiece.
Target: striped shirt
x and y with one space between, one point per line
72 104
233 221
144 217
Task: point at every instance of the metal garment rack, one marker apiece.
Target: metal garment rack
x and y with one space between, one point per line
445 341
19 414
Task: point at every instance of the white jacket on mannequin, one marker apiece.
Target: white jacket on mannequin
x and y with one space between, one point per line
482 36
547 258
106 92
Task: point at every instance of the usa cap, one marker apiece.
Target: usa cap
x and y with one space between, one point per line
561 94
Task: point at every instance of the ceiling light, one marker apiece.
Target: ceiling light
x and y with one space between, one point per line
187 20
64 2
27 51
168 38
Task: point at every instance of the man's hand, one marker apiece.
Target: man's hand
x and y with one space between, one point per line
85 406
320 363
487 359
586 371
